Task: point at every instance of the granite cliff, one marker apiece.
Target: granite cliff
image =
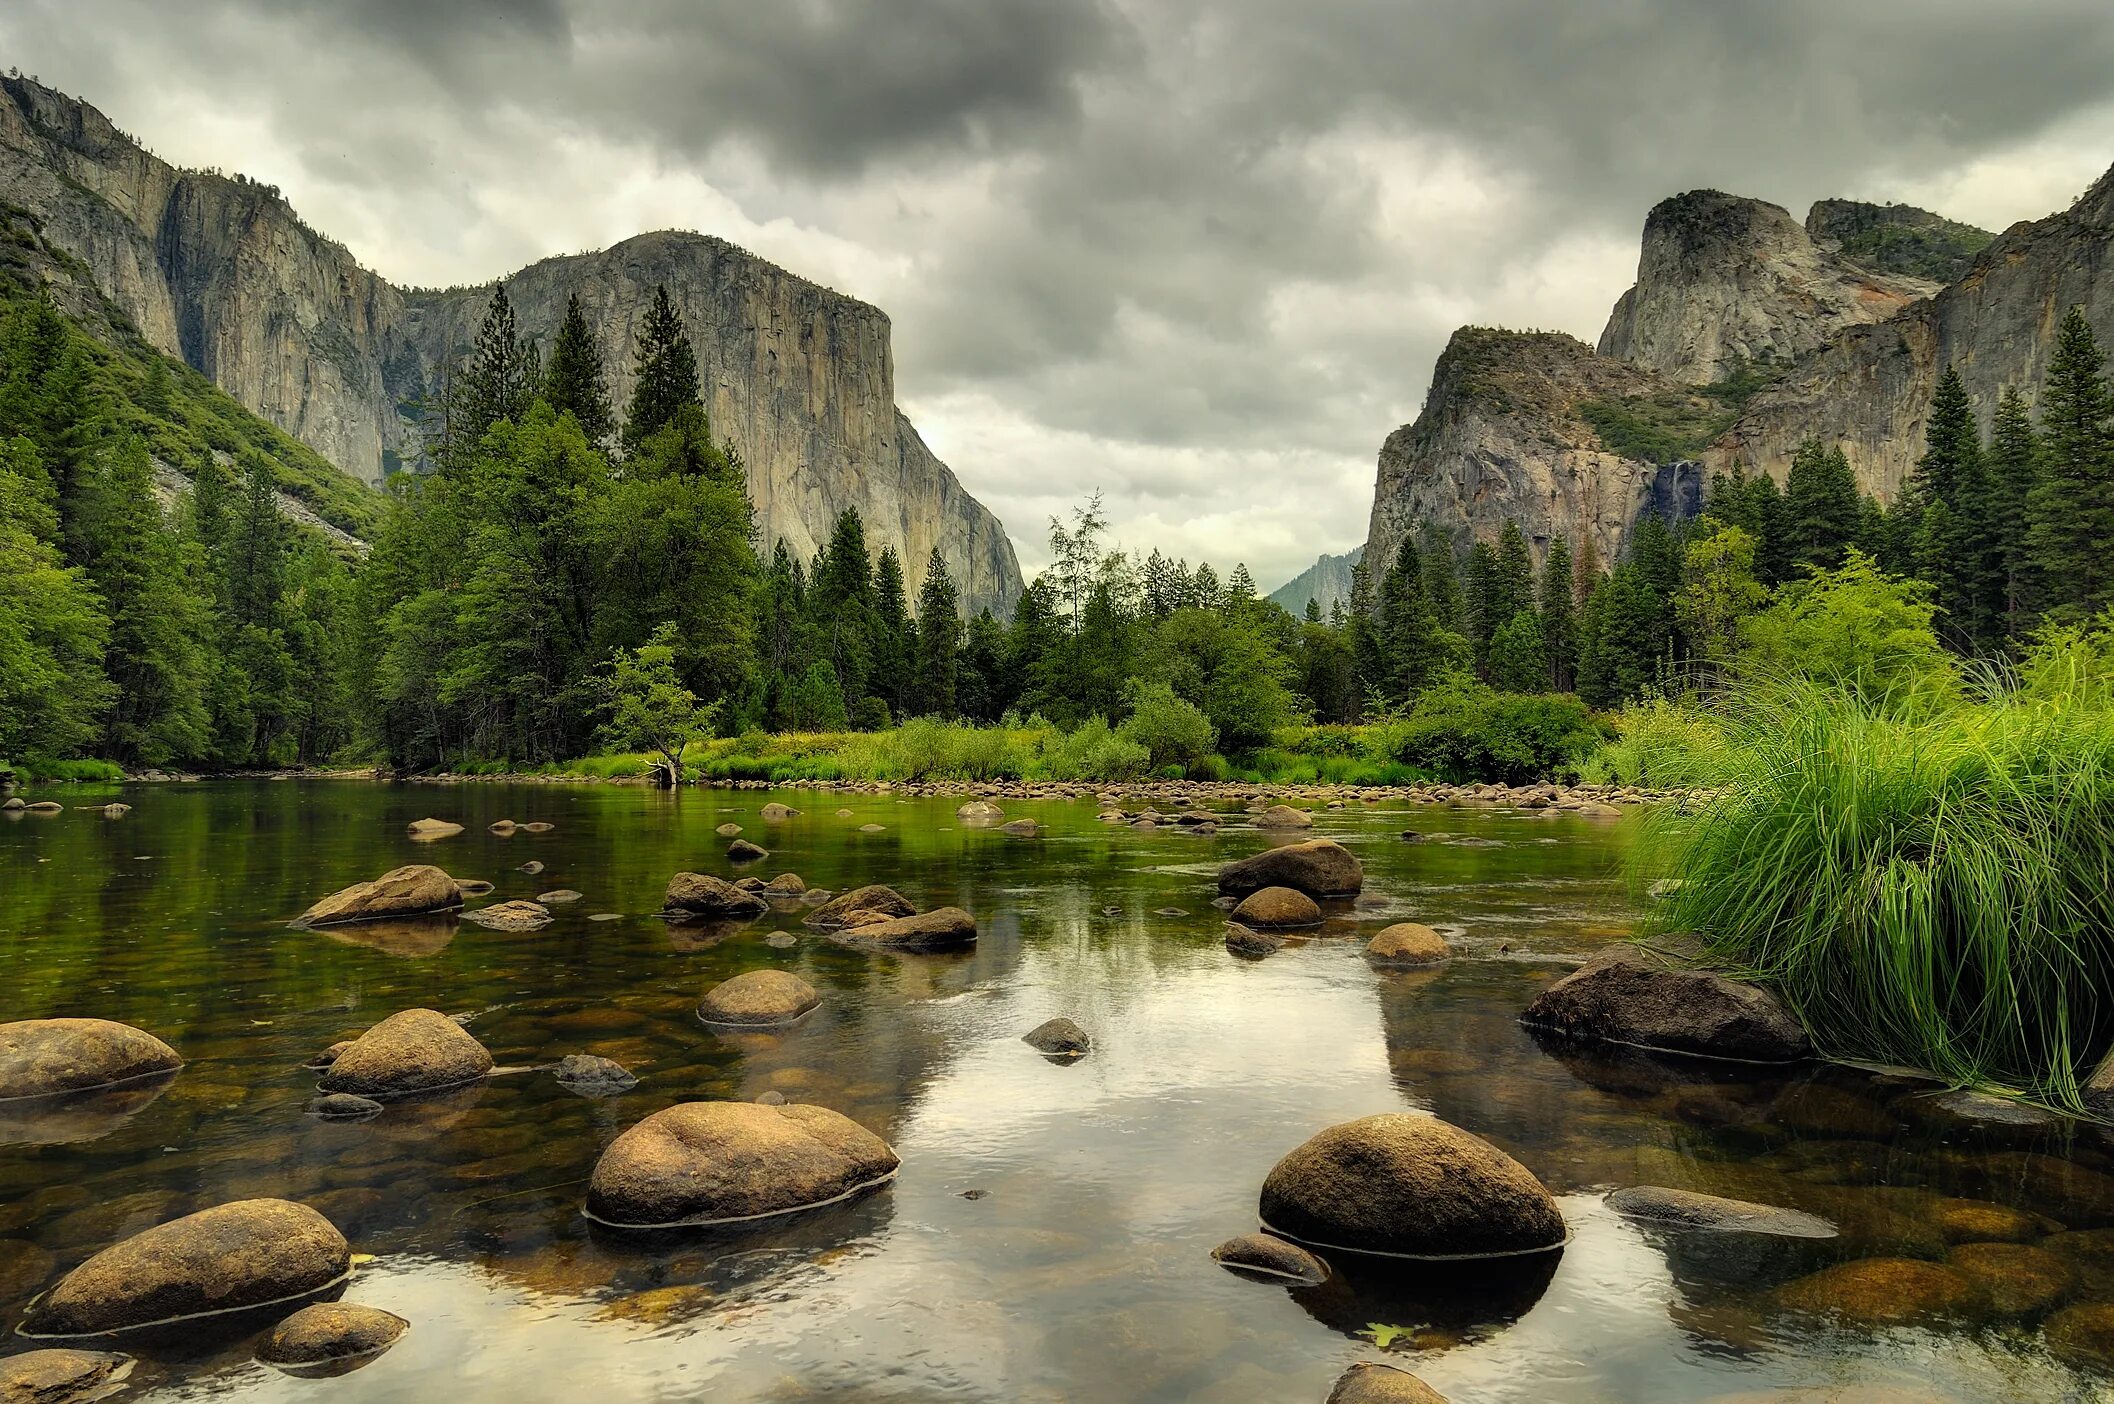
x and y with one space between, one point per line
1327 583
222 273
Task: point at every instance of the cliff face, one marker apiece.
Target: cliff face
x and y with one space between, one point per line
1504 435
1327 583
1896 238
222 273
1725 280
1869 389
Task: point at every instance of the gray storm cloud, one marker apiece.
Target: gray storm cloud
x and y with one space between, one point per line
1198 255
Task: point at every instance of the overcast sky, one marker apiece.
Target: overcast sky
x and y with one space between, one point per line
1199 253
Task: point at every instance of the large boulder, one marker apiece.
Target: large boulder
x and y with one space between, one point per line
44 1057
945 929
874 897
742 851
1409 1186
250 1253
61 1376
1059 1038
700 1163
417 1050
1284 816
702 895
1276 908
785 885
1407 943
331 1333
416 889
1627 994
1369 1382
757 999
1318 867
776 813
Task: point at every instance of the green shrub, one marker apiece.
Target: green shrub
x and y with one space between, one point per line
69 771
1463 731
1659 743
1173 732
1093 751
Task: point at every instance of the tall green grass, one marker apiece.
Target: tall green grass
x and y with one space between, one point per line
1932 886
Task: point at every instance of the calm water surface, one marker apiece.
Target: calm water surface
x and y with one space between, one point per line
1049 1235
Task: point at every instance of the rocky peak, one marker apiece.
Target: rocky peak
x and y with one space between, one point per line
1725 282
1896 238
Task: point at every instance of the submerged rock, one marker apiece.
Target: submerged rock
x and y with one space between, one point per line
1318 867
1678 1208
1409 1186
416 1050
1978 1221
61 1376
510 916
417 889
427 830
329 1055
701 1163
943 929
331 1333
1059 1037
1266 1256
1020 828
1881 1292
46 1057
1407 943
532 867
1627 994
115 810
728 830
590 1076
2015 1279
344 1106
702 895
2082 1335
1268 907
1283 816
1964 1115
250 1253
1247 941
776 813
742 851
759 998
980 812
874 897
1370 1383
560 895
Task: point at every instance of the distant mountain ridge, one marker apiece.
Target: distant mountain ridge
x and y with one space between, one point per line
1327 582
222 273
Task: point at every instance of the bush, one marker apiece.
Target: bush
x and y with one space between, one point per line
1659 743
1463 731
1093 751
1172 731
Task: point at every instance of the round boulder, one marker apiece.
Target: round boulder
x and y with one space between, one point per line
702 895
1409 1186
945 929
1264 1256
1059 1038
874 897
1020 828
703 1163
727 830
331 1333
61 1376
1283 816
590 1076
1269 907
1370 1383
417 1050
2082 1335
251 1253
413 890
1407 943
1627 994
758 999
785 885
742 851
776 813
1318 867
44 1057
2015 1278
13 804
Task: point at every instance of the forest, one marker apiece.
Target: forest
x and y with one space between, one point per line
561 576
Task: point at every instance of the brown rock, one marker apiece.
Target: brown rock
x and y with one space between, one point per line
1411 1186
42 1057
417 1050
980 812
558 896
1270 1257
2082 1335
329 1332
61 1376
785 885
1978 1221
1059 1037
1283 816
1686 1209
1269 907
945 929
510 916
1369 1383
1247 941
1020 828
414 890
1627 994
1881 1292
246 1254
428 830
742 851
1318 867
728 830
776 813
2015 1279
1407 943
872 898
702 895
758 998
730 1162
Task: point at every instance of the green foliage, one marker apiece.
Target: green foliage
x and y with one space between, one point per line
573 379
645 702
2071 508
1660 743
1172 731
1854 630
1463 731
666 380
1665 426
53 631
1094 751
1940 250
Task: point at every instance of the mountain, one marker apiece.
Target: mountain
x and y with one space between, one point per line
1745 333
1327 582
221 272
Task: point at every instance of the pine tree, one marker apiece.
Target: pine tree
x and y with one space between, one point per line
1821 507
1442 583
1362 635
2071 509
894 635
574 382
1519 660
979 690
840 602
497 383
1240 587
2012 469
1515 573
939 633
666 372
1482 599
1948 488
1559 616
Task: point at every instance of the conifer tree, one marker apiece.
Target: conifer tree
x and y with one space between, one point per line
1559 616
498 382
2012 469
666 371
1948 488
1442 583
894 638
939 636
2071 509
574 382
980 678
1822 507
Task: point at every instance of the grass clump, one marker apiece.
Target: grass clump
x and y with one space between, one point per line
1923 885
